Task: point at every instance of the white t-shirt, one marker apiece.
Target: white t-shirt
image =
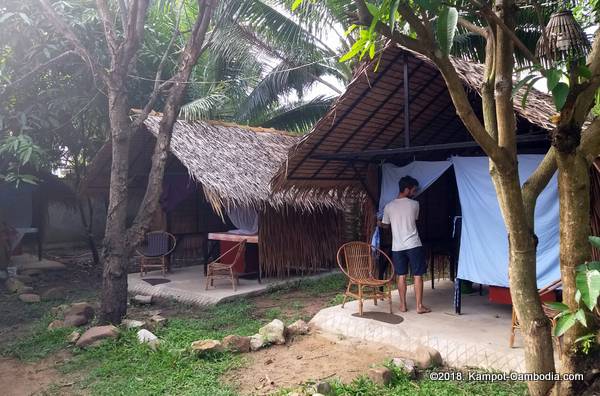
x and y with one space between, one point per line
402 214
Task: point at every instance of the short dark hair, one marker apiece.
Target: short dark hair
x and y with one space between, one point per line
407 182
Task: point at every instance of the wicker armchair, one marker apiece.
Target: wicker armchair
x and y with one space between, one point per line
550 313
218 270
155 249
357 261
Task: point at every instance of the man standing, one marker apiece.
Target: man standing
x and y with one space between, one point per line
402 214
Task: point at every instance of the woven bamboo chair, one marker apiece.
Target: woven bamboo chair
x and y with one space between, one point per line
550 313
155 249
218 270
357 262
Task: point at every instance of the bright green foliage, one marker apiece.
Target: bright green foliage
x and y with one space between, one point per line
588 290
446 27
17 155
403 385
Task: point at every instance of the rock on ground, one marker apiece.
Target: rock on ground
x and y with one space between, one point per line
81 308
257 342
146 337
299 327
203 346
142 300
54 293
380 375
426 357
133 324
29 298
273 332
15 286
73 337
97 333
157 321
56 324
75 320
235 343
408 365
324 388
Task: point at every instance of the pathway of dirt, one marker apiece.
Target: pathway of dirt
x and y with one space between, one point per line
309 358
18 378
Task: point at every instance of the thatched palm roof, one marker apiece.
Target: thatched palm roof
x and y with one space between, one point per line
370 116
233 163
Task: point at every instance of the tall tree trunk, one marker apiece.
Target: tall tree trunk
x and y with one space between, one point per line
535 326
115 255
574 198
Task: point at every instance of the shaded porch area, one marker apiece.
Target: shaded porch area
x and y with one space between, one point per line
188 285
477 338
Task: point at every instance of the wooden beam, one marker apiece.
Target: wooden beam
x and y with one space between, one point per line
416 149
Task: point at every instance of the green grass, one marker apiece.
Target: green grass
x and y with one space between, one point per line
39 343
402 385
125 367
325 284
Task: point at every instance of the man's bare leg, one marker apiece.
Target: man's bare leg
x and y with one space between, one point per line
421 309
401 280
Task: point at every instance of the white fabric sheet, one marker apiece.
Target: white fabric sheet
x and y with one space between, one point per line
484 242
426 172
245 219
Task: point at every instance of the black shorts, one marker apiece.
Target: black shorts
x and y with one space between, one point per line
415 257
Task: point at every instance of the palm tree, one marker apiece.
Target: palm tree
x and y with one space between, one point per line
263 60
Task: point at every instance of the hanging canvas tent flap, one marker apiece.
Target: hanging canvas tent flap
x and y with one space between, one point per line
483 254
426 173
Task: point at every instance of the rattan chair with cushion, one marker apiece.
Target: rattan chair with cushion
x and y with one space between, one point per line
218 270
550 313
357 260
155 250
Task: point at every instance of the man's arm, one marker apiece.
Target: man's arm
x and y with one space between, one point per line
385 222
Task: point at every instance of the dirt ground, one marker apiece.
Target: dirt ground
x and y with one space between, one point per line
18 378
308 358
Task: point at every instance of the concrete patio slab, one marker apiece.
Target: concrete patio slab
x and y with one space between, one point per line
477 338
187 285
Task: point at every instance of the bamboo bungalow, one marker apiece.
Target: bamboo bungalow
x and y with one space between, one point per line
216 181
398 118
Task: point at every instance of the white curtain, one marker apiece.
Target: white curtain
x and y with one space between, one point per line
244 218
426 172
484 241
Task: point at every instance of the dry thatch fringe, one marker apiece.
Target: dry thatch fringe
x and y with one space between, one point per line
291 241
235 164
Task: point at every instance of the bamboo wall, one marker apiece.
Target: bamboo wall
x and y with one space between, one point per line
298 243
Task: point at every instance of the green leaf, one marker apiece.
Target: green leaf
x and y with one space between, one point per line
373 9
558 306
393 9
584 71
350 29
356 48
563 324
594 240
552 78
588 283
521 83
445 28
559 94
580 316
372 51
527 90
296 4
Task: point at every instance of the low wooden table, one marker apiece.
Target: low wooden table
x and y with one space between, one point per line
227 241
